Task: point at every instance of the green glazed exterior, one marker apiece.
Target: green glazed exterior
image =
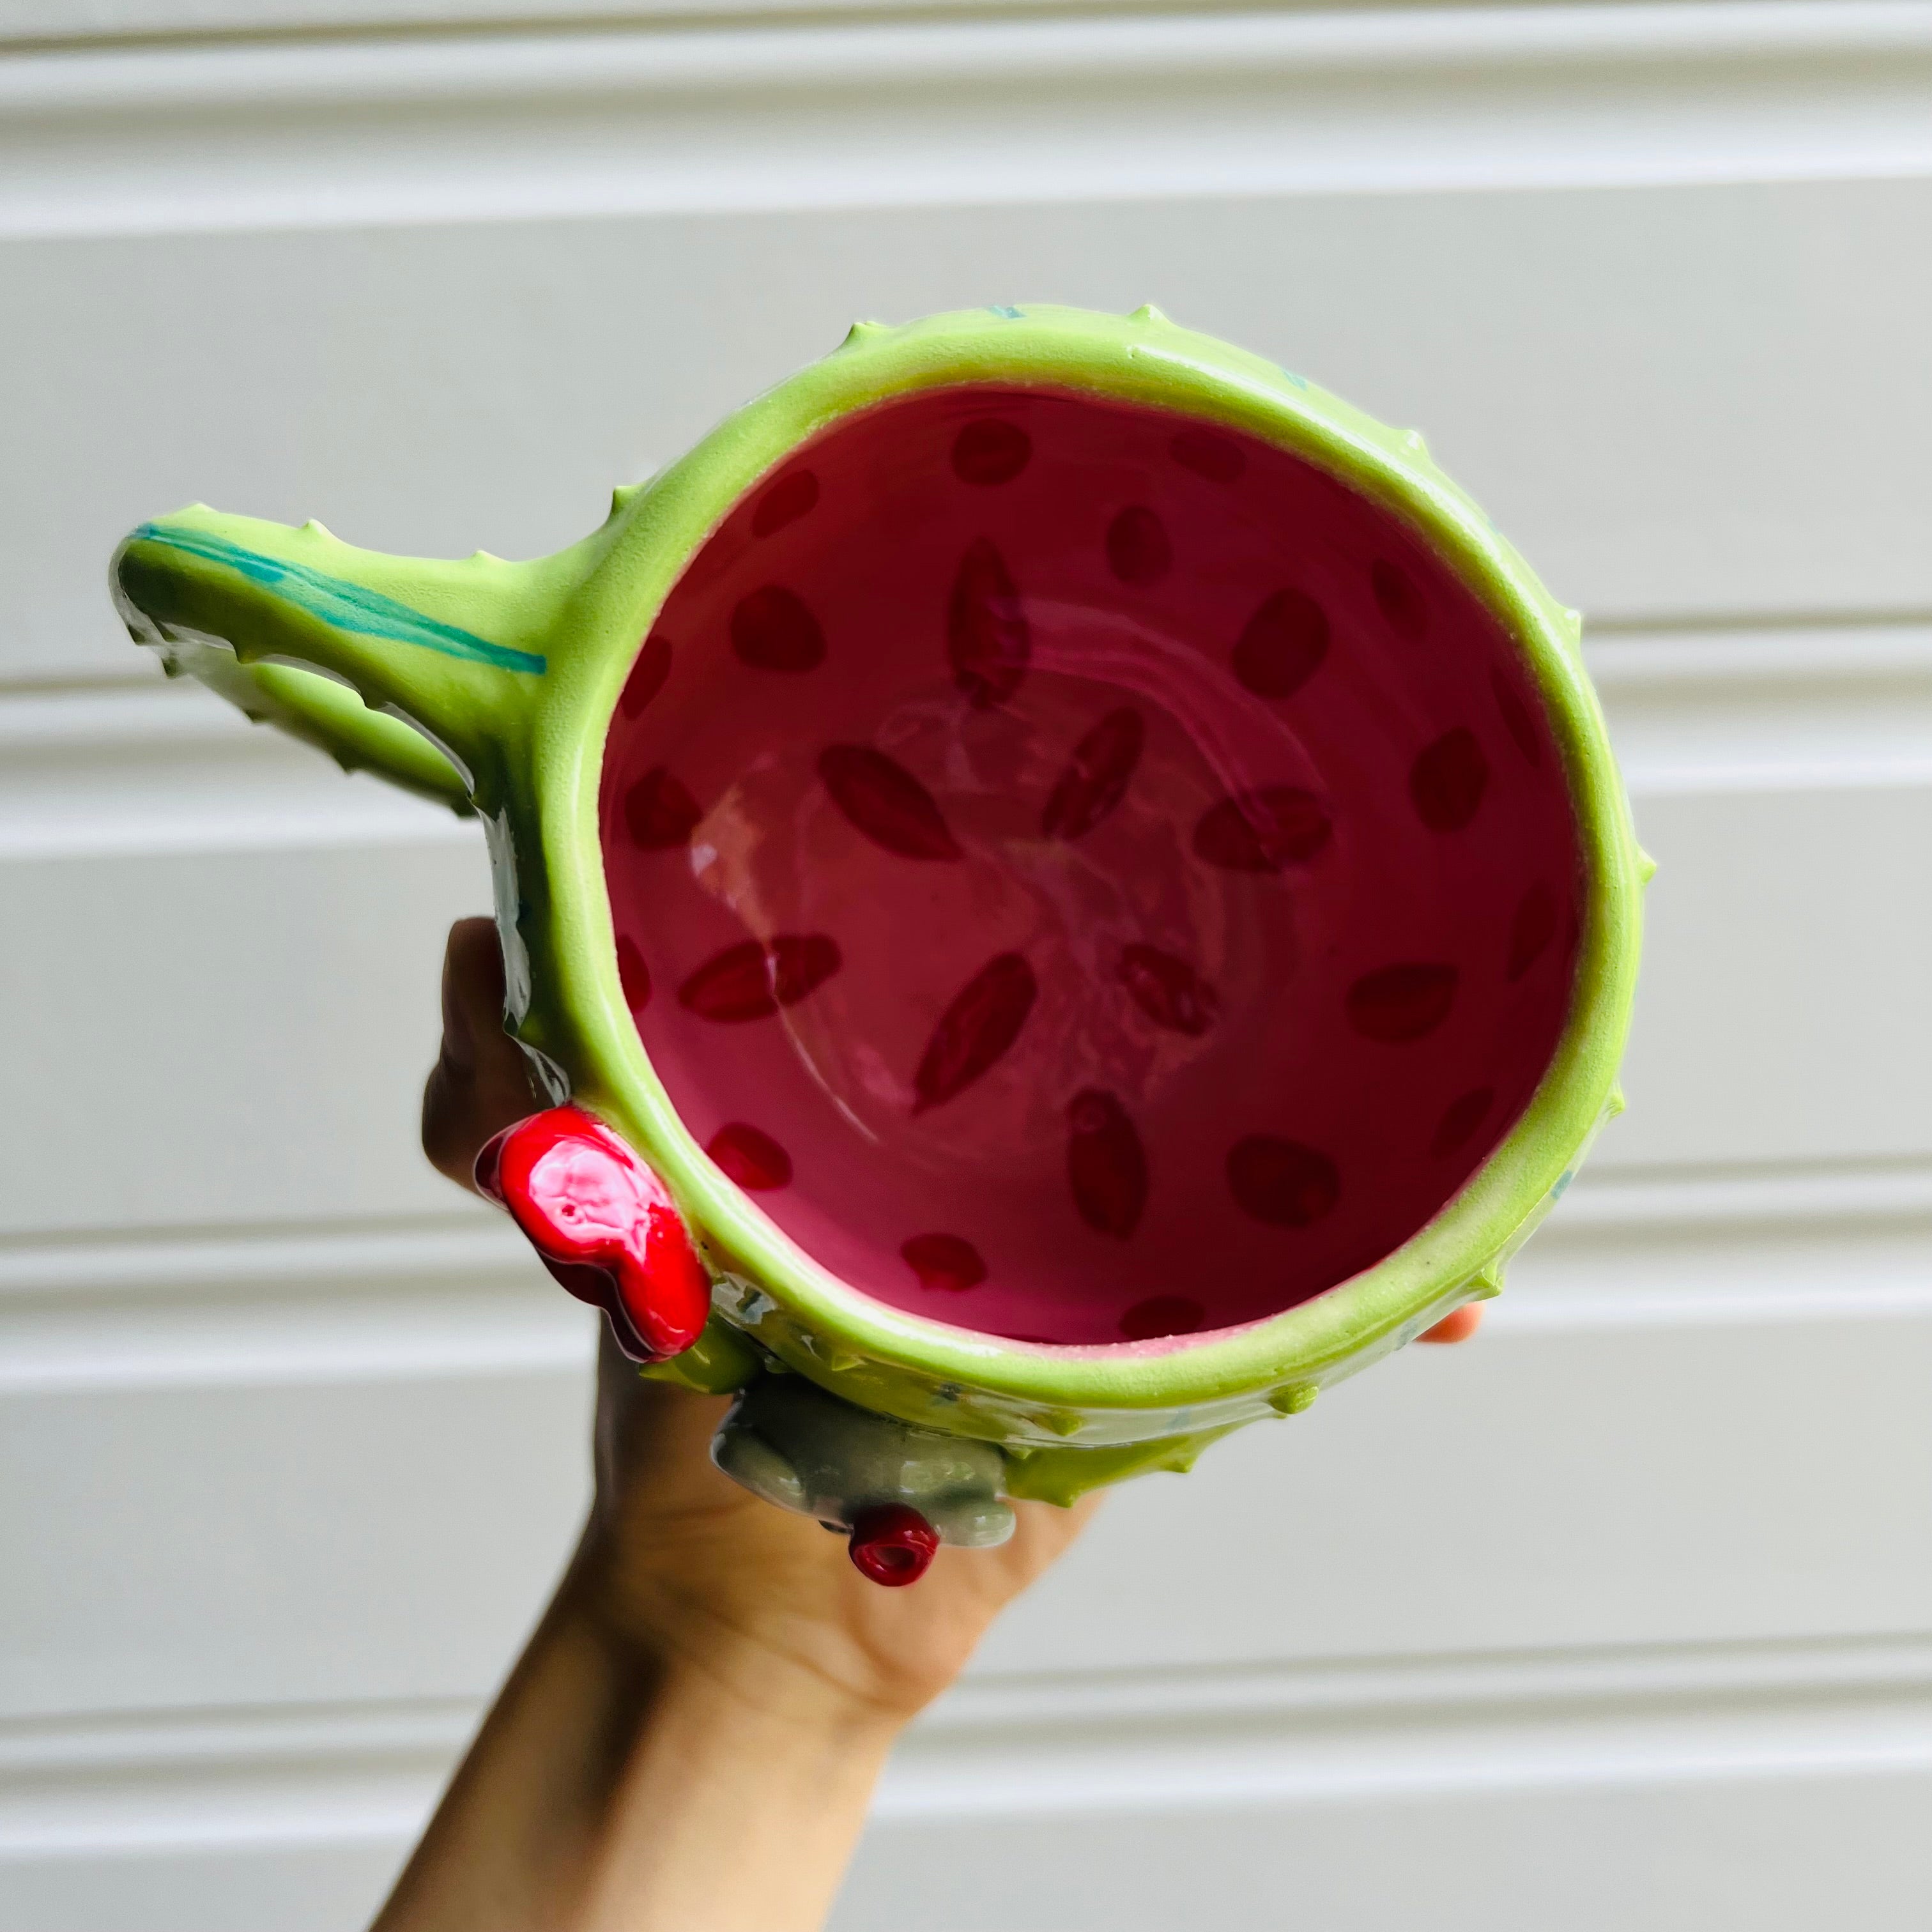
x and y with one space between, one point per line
507 676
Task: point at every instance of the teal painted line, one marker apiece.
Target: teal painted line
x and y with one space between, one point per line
341 604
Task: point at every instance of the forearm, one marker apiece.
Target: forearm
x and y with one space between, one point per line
734 1812
609 1788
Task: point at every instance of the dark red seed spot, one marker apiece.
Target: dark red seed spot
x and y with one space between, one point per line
1401 1002
751 980
1447 781
1097 777
658 813
885 801
1283 644
1106 1166
773 630
989 451
1138 550
1262 831
633 975
1517 720
801 962
1169 990
988 640
791 497
1162 1315
1531 930
1460 1119
1398 599
647 675
944 1261
1218 458
892 1544
751 1157
1281 1182
983 1021
732 985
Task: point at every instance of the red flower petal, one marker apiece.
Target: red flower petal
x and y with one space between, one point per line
1399 601
1097 777
987 641
1106 1166
802 962
885 801
1447 781
1162 1315
1218 458
732 985
1531 930
633 975
659 814
1460 1119
1262 831
1283 644
983 1021
773 630
1137 549
944 1261
792 497
1401 1002
989 451
751 1157
1281 1182
647 674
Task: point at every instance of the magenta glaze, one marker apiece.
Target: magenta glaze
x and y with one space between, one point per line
1095 877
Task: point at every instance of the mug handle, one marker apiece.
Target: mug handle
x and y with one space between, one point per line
419 670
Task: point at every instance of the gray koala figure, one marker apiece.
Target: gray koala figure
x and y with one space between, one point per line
898 1490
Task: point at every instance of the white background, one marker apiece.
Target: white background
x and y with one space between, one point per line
1621 1618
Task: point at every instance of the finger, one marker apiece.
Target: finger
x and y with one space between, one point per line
1456 1328
479 1083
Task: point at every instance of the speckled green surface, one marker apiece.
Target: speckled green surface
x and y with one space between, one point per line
513 671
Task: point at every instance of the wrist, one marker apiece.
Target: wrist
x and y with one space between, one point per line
739 1780
788 1680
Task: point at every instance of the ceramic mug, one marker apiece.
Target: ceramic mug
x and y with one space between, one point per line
1065 889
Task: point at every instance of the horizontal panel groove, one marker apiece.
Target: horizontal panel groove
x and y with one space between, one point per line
1745 1195
1066 1744
376 1302
995 110
1347 1691
149 768
47 26
354 1305
139 1261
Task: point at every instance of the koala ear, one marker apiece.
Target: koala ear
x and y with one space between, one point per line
747 1458
971 1522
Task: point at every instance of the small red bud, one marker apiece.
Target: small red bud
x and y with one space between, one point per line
892 1544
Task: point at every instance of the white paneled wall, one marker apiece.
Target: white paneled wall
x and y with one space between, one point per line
1621 1618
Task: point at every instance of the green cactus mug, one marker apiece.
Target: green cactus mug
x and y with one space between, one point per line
1065 888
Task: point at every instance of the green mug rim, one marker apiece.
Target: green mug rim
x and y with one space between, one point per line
655 531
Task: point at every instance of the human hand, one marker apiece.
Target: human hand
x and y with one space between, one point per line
677 1558
709 1661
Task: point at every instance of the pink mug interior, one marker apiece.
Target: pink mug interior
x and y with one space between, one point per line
1093 877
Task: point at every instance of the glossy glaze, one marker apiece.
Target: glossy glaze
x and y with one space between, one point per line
1090 877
